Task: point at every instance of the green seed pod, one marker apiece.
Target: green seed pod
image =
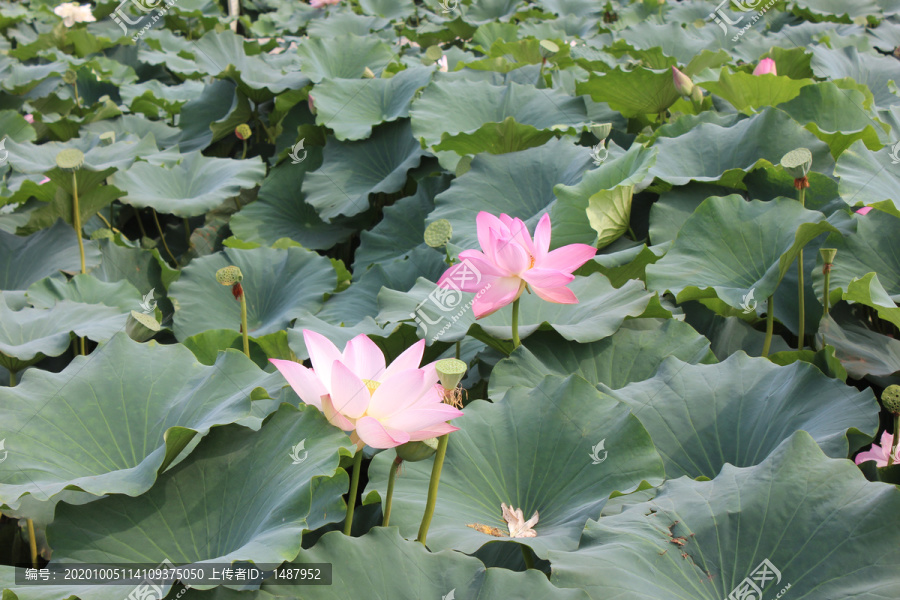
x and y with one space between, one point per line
70 76
70 159
368 73
437 234
434 53
548 48
229 275
602 130
890 397
797 162
108 138
450 371
243 131
828 255
416 451
141 327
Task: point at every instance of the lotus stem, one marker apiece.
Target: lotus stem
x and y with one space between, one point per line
631 233
354 486
137 216
826 270
12 379
890 460
515 324
526 554
395 466
187 232
800 337
770 324
163 238
32 543
76 221
244 153
458 345
75 89
244 333
105 222
433 485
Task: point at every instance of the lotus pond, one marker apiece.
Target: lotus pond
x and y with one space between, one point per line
449 299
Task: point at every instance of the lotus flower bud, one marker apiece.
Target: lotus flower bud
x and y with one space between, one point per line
437 234
797 163
697 96
243 131
229 275
450 371
311 103
683 83
416 451
766 65
70 159
141 327
368 73
890 398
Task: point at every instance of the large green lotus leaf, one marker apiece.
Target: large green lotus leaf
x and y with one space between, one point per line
873 70
869 291
352 171
149 96
861 351
40 158
532 451
449 108
351 107
111 421
673 208
200 115
280 211
738 411
85 289
25 260
641 91
397 568
727 335
520 184
279 285
238 496
774 511
30 334
604 196
709 151
633 353
389 9
747 92
343 56
164 135
868 177
600 311
834 114
193 187
730 246
144 269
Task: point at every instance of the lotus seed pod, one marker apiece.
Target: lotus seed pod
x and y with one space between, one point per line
890 397
548 48
243 131
416 451
828 255
602 131
70 159
141 327
434 53
108 138
450 371
229 275
683 83
368 74
797 162
70 76
437 234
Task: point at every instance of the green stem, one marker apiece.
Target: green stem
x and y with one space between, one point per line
32 543
354 486
244 153
433 487
526 554
631 233
76 220
77 99
244 332
163 238
770 324
12 379
894 443
827 274
800 334
137 215
515 324
458 349
187 232
395 466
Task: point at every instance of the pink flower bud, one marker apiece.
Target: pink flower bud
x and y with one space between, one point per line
766 65
683 83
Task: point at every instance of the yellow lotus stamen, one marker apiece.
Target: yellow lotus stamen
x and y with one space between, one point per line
371 385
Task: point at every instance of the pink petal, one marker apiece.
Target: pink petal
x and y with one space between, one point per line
364 358
519 231
502 291
375 435
409 359
334 416
322 353
469 275
349 394
864 210
878 456
510 255
302 380
559 295
542 237
484 222
568 258
397 393
547 278
766 65
433 431
423 418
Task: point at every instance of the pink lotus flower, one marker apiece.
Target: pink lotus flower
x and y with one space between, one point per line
29 118
864 210
766 65
683 83
880 453
321 3
383 406
511 261
43 181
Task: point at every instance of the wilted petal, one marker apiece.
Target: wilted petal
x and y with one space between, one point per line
302 380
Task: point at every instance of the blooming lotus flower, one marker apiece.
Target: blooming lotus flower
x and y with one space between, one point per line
384 406
510 261
72 12
880 453
766 65
29 118
683 83
321 3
